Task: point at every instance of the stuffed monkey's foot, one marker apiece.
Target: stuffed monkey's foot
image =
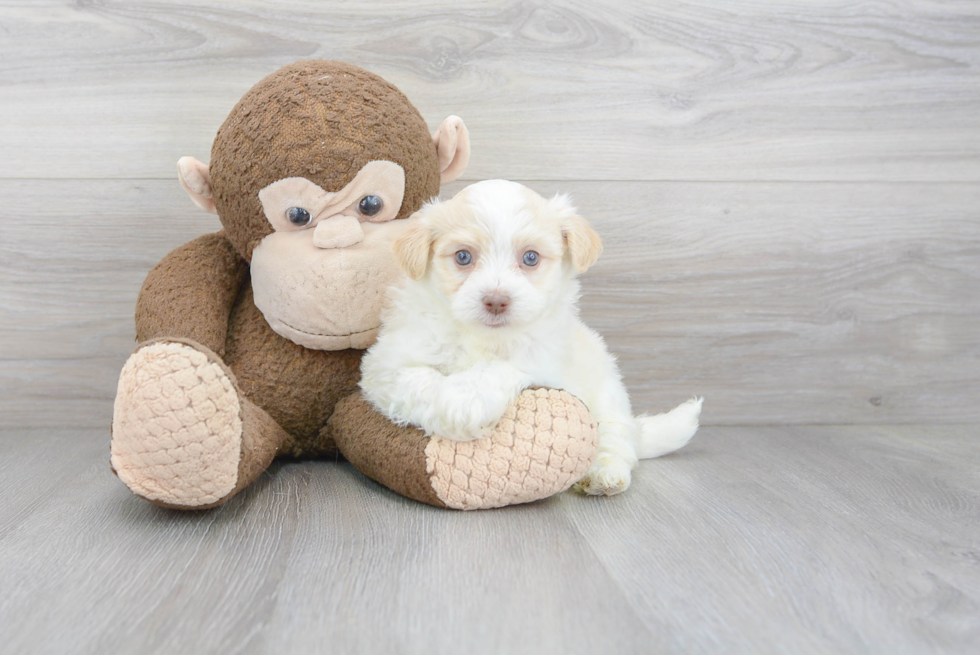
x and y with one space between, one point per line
182 436
545 442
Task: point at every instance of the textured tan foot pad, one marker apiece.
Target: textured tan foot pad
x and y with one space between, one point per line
544 443
176 426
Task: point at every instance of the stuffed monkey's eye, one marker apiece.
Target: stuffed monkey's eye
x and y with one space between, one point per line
298 216
463 257
531 258
370 205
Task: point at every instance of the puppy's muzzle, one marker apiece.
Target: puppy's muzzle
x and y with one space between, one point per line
496 303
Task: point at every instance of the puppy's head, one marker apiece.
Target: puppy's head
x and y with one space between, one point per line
500 253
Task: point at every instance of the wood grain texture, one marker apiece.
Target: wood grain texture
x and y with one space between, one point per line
751 540
765 525
781 303
787 193
788 90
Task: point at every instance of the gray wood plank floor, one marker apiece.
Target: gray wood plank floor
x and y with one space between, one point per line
752 540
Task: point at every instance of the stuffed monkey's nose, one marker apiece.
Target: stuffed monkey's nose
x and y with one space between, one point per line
337 232
496 303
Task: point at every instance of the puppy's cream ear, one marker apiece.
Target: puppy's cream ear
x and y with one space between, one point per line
412 250
584 244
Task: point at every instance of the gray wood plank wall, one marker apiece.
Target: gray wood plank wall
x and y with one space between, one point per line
787 189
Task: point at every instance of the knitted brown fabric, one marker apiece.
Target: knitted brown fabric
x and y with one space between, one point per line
190 293
544 443
322 120
262 440
183 435
297 386
391 455
194 295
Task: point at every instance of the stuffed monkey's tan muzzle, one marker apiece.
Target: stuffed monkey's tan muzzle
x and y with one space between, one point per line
326 292
338 232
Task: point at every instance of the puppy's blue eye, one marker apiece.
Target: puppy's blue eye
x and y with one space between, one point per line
370 205
463 257
531 258
298 216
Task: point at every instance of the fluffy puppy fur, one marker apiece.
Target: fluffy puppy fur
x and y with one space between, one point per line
490 308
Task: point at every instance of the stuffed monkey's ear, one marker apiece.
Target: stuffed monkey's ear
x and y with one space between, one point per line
412 250
196 180
584 244
452 141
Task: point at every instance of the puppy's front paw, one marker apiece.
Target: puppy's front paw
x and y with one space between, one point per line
465 429
608 476
471 414
466 419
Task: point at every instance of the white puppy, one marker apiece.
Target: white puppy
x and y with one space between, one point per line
490 309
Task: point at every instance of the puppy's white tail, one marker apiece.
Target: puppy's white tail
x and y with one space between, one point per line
665 433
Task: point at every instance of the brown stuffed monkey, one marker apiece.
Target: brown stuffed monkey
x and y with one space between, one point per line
250 339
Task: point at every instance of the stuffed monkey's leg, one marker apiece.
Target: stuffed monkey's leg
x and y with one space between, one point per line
544 443
182 434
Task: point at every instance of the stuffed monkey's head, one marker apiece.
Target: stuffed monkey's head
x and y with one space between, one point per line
308 176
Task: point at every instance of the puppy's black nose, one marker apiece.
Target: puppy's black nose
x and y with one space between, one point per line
496 303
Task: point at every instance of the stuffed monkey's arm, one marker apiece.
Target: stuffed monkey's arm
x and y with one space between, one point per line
546 442
189 294
462 406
